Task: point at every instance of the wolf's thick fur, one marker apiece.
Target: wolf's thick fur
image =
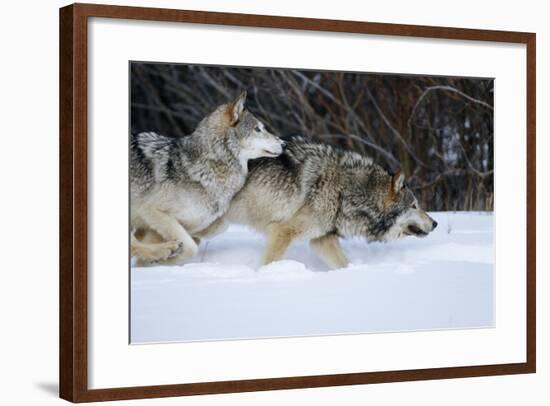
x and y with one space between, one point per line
180 186
321 194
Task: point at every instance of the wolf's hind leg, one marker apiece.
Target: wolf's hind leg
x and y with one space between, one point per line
279 238
328 248
170 230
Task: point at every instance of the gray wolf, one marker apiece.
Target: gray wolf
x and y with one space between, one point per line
320 193
180 186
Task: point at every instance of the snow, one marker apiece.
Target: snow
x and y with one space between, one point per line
443 281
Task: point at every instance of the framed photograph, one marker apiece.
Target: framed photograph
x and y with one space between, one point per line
255 202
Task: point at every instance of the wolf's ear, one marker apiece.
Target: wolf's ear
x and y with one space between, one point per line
236 108
397 181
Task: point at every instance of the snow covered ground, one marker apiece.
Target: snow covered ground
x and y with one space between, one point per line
443 281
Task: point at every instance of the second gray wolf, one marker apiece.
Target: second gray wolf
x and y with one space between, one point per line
320 193
180 186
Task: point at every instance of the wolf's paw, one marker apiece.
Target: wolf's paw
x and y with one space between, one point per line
158 253
188 252
170 249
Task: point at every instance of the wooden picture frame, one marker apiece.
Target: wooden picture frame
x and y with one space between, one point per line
74 202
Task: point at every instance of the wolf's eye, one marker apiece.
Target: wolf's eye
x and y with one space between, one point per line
414 206
257 129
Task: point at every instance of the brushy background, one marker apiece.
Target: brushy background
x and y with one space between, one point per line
437 130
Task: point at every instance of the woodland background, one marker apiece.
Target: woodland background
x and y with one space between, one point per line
437 130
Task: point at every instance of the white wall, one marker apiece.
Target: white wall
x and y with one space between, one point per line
28 169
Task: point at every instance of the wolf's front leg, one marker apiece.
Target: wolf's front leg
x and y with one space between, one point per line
217 227
171 230
328 248
279 237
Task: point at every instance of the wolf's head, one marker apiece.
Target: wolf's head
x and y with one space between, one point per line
410 219
243 130
383 208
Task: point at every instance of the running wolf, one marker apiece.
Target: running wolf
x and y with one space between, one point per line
320 193
180 186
